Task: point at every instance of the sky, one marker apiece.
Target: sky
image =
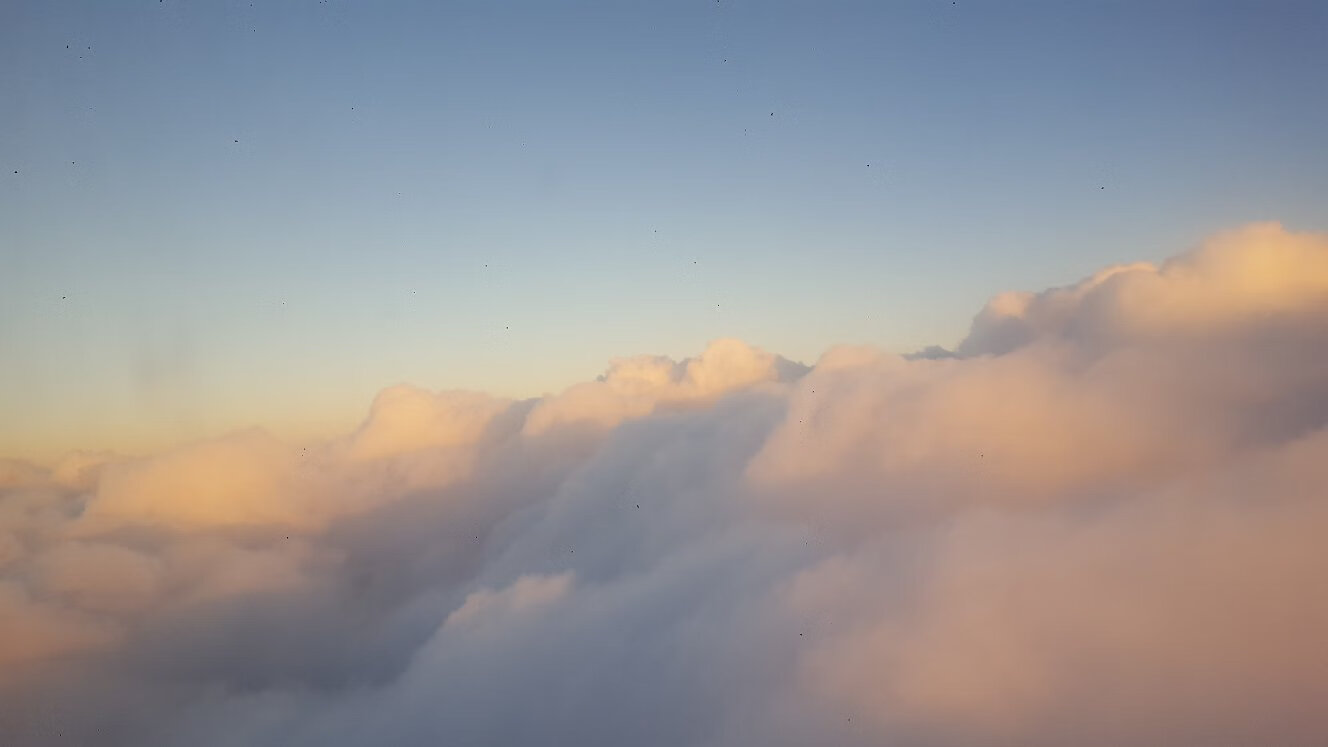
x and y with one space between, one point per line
226 213
707 374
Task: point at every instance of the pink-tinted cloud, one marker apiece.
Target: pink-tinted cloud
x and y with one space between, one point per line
1099 521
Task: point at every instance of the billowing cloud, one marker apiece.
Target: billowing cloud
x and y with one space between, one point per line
1097 521
1242 278
634 387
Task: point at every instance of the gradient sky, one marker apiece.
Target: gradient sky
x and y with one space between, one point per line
225 213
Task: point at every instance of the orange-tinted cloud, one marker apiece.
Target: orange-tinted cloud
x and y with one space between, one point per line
1098 521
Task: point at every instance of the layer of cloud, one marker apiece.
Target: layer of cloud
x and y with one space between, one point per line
1097 521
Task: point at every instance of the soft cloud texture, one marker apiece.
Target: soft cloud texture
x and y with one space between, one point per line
1098 521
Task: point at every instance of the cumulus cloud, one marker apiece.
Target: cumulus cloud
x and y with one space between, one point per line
1248 277
636 386
1097 521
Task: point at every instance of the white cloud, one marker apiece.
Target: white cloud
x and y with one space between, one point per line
634 387
1099 522
524 593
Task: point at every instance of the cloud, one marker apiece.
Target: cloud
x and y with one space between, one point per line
1254 276
633 387
1186 615
524 593
245 478
33 631
1098 521
405 419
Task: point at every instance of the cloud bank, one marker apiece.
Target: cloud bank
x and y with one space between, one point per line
1098 521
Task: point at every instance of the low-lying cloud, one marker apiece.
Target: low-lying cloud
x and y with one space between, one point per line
1099 520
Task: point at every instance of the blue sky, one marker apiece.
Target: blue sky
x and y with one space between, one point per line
229 214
